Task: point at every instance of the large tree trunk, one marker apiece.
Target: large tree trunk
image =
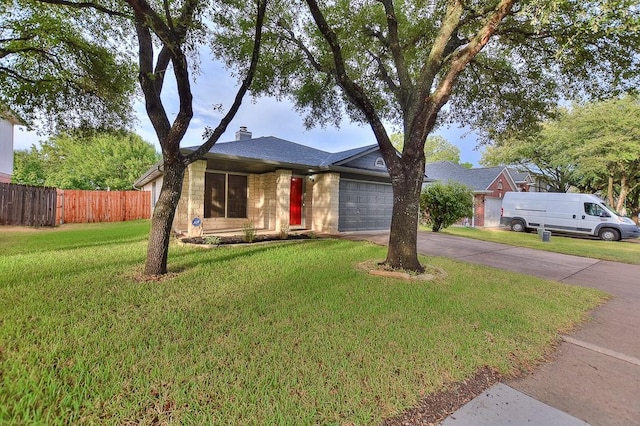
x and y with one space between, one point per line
403 238
162 221
635 204
622 197
610 191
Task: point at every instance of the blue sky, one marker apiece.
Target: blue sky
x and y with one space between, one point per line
263 117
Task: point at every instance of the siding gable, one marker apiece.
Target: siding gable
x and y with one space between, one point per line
372 161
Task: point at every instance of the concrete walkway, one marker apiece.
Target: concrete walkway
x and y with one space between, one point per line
595 374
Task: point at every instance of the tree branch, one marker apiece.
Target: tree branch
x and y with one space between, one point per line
404 77
462 57
307 53
162 63
352 90
88 5
384 74
153 103
244 87
434 62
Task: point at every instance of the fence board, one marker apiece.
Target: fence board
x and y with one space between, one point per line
27 205
80 206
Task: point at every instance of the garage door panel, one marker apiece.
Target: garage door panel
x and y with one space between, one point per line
492 211
364 206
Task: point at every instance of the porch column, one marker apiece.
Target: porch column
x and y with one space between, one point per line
195 196
283 191
326 200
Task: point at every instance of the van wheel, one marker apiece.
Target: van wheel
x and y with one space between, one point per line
609 234
517 225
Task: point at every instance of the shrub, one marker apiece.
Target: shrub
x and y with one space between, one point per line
212 240
248 232
445 204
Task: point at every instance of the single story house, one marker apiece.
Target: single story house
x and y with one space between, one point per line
488 185
280 185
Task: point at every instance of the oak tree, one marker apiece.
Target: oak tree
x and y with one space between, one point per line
167 37
496 66
63 68
85 159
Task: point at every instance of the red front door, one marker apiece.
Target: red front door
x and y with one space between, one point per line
295 202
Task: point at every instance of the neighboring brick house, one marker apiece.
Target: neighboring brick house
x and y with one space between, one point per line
6 147
488 185
278 184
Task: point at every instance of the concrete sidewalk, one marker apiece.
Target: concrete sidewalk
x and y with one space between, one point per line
595 374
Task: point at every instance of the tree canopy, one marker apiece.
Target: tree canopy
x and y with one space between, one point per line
436 148
506 63
545 152
63 67
97 160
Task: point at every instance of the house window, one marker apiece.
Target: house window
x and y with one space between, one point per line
225 195
500 184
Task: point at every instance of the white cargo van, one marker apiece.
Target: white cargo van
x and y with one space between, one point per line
565 212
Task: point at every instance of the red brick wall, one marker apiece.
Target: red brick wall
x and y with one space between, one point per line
478 201
501 185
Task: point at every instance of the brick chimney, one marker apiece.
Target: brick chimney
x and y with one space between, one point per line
243 134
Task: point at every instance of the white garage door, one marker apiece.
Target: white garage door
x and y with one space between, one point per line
492 210
364 206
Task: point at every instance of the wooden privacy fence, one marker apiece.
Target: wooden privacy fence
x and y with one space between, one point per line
78 206
25 205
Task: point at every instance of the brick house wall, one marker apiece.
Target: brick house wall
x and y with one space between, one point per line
501 185
268 201
478 202
496 189
325 202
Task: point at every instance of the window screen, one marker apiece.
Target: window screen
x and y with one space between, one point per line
225 195
237 197
214 194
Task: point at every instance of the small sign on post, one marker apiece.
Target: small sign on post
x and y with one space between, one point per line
196 230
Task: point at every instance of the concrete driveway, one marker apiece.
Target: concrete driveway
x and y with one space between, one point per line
595 373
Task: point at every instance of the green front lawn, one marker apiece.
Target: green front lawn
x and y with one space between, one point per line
270 334
625 251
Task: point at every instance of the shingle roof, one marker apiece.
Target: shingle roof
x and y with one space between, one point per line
269 148
344 155
517 175
477 179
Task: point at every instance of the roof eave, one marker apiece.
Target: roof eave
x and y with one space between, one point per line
153 173
358 155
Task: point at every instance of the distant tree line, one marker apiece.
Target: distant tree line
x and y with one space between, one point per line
85 160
